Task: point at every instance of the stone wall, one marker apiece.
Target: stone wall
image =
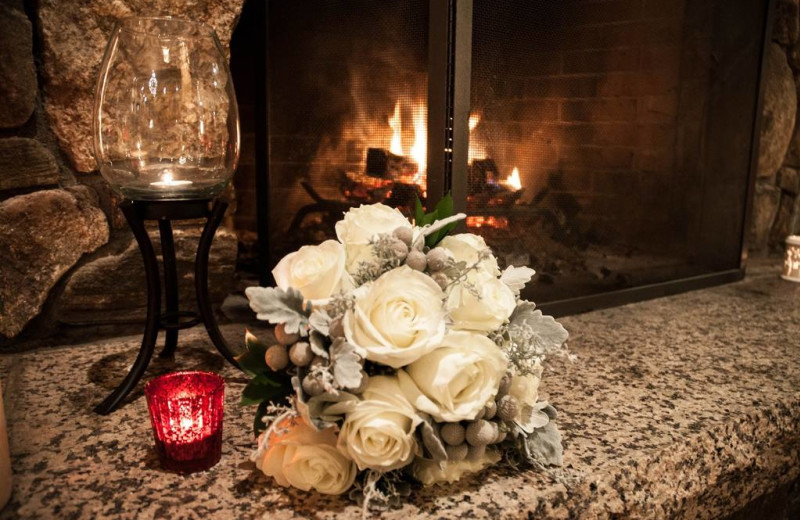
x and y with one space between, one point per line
776 204
66 256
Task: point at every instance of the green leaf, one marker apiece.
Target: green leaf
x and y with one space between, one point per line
258 423
419 212
252 360
444 208
262 388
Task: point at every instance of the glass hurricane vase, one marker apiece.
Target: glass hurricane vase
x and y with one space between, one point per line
166 124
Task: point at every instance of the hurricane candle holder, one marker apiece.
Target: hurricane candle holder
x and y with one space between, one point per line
166 138
186 411
791 263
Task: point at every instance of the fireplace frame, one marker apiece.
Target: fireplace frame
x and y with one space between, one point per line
449 84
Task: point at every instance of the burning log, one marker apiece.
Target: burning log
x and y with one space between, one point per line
384 164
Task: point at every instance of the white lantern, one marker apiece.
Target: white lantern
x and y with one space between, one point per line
791 264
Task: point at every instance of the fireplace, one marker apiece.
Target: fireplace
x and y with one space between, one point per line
607 143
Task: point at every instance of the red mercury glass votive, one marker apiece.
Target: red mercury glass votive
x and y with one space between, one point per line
186 414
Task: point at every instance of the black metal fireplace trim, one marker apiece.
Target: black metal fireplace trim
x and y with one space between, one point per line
449 69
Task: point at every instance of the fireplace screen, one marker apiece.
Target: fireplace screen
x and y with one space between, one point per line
608 142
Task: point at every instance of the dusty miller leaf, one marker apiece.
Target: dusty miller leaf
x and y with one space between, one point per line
279 306
543 446
317 343
517 277
346 364
541 334
320 321
431 439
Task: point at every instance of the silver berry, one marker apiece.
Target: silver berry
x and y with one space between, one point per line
404 234
312 385
283 337
437 259
481 433
300 354
457 453
416 260
476 452
400 248
453 433
507 408
501 436
276 357
490 410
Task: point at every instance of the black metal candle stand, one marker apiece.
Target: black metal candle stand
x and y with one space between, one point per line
137 212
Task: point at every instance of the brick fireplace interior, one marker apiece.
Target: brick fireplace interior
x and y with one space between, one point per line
610 142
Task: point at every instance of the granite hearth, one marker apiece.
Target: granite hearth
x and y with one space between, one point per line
683 407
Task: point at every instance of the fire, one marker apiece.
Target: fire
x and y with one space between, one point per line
513 181
478 221
419 152
476 149
396 124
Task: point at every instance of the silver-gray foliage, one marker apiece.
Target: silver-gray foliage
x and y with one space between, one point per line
279 306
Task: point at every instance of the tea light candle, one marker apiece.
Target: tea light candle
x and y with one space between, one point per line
167 182
791 263
186 414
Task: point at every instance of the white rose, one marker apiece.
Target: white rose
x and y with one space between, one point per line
525 389
482 312
467 247
315 271
362 224
431 472
455 381
378 433
298 455
398 318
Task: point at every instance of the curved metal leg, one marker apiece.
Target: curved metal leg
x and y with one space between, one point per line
153 310
170 285
201 281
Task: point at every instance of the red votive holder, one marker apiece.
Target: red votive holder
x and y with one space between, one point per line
186 414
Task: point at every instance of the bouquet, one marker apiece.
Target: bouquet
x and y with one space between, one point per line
401 354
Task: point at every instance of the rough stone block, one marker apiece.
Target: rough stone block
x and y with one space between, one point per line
42 235
112 289
74 36
789 180
787 24
779 110
17 71
25 163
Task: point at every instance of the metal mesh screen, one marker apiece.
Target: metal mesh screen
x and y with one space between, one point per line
347 112
610 140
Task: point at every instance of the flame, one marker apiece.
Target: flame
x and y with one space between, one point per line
513 181
476 150
395 122
474 119
419 151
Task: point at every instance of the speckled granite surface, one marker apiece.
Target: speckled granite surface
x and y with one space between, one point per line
684 407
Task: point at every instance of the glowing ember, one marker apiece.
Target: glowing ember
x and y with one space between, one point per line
513 181
395 122
476 222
